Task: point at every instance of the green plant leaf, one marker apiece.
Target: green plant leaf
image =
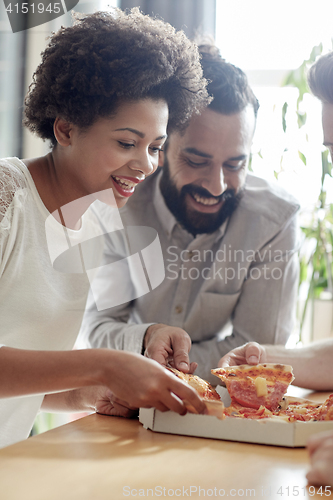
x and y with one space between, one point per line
284 112
302 157
326 165
303 271
301 119
309 232
315 52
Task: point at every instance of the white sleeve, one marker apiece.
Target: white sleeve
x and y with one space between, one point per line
12 184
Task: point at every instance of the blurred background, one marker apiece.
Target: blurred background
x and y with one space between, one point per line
274 43
266 39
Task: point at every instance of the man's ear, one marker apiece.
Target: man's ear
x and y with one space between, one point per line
161 159
62 131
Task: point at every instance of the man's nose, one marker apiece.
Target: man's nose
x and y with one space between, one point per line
214 182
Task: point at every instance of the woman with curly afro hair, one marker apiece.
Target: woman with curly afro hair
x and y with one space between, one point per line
106 92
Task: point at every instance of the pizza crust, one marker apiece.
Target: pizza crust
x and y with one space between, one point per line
270 370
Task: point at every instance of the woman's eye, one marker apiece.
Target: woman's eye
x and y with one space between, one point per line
156 150
125 145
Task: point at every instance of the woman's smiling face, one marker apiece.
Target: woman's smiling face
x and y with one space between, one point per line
118 152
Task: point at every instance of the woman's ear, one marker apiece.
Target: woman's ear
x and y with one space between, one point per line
62 130
161 159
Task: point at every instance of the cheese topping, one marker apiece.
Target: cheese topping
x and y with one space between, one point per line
261 386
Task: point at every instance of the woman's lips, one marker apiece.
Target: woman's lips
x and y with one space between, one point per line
125 185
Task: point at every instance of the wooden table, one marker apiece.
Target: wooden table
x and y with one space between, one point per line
109 458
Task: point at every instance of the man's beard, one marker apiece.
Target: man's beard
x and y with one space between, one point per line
193 221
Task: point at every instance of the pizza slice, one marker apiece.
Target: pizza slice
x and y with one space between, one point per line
257 385
299 409
325 411
204 389
238 411
214 405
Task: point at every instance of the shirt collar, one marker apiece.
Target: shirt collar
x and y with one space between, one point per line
167 219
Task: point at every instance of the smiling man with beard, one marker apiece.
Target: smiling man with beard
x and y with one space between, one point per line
205 219
229 242
197 191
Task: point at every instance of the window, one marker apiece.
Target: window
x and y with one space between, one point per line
267 40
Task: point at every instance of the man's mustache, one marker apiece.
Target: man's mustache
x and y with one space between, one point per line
200 191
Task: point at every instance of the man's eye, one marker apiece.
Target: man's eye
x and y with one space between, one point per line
234 167
195 164
125 145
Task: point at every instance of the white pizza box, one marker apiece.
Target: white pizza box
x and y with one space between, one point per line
265 431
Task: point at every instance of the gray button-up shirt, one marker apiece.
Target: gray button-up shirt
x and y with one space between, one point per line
235 285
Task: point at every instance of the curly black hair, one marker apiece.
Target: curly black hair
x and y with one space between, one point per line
107 58
227 84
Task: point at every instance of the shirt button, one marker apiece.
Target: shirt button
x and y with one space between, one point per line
179 309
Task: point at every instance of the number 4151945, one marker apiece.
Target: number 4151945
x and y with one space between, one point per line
295 491
40 8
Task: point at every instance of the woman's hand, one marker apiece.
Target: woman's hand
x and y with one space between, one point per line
62 375
141 382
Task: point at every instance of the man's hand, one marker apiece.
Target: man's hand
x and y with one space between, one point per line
320 447
169 345
107 404
247 354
